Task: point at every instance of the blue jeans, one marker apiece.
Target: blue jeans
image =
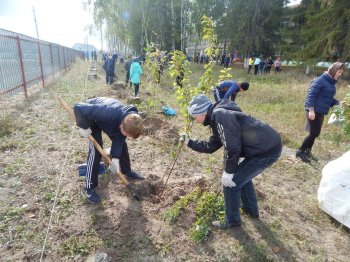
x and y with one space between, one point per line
244 189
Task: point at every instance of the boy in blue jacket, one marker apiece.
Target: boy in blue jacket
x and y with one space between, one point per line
118 122
229 88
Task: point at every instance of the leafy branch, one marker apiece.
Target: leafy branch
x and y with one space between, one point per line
179 68
206 81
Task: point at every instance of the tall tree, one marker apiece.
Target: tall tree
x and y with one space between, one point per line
322 31
254 25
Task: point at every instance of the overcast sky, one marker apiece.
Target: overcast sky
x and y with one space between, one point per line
62 22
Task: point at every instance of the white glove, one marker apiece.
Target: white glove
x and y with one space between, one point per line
85 132
226 180
111 167
184 138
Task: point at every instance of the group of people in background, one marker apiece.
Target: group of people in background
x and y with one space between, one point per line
133 71
86 55
223 59
263 66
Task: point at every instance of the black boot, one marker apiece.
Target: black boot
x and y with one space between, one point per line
302 156
310 155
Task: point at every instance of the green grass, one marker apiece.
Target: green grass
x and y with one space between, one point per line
6 125
80 245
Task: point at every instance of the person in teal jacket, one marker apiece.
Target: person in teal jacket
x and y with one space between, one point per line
135 74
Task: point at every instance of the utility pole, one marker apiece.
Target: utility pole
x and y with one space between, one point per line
36 26
101 36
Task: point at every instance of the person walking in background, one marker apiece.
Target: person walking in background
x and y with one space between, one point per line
118 121
250 64
109 67
227 61
127 68
229 88
262 66
135 74
241 135
223 57
256 65
86 53
269 64
278 65
104 57
319 99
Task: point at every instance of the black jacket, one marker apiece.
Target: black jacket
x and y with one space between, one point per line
240 134
105 114
128 65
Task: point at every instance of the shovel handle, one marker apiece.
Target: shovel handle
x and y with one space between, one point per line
92 139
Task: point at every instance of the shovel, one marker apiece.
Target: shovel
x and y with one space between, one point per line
102 152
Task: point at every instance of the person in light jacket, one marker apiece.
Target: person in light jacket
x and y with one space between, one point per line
135 74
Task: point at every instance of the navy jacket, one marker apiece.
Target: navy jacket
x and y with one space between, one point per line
227 88
321 94
104 114
240 134
110 65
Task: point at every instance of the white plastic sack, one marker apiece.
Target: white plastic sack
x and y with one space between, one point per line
334 190
334 120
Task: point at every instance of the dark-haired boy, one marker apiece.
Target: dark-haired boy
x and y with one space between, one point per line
229 88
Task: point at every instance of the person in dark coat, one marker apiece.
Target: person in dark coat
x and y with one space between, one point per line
229 89
118 122
269 65
109 68
319 100
127 68
241 135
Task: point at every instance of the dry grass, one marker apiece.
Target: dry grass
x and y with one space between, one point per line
291 228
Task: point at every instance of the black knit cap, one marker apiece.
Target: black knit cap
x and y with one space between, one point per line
245 86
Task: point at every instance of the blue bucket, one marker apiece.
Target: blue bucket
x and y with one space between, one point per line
82 169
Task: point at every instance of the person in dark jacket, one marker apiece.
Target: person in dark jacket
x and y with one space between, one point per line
109 66
229 89
269 65
118 122
319 100
127 68
241 135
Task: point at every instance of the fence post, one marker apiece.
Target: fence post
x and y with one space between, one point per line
59 59
41 65
24 84
51 60
64 59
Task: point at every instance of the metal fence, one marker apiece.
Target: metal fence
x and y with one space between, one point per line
25 62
